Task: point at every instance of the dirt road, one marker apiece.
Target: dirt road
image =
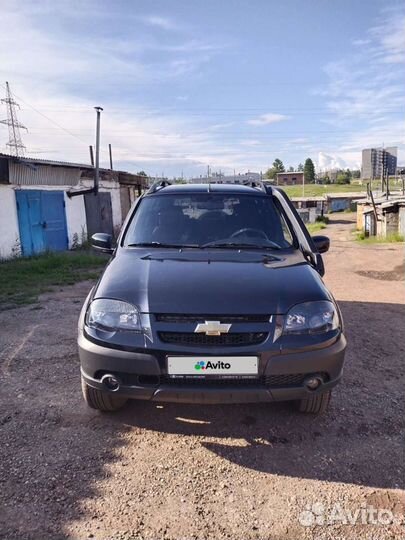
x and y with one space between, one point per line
181 471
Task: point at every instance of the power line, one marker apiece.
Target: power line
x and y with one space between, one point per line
47 117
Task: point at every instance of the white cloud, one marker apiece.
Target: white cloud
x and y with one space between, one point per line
250 142
390 38
50 71
165 23
265 119
327 162
360 42
365 94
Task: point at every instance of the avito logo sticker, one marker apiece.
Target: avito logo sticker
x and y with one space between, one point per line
202 365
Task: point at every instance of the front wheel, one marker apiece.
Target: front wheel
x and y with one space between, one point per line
316 404
102 401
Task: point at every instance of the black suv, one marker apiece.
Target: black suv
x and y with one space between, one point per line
213 294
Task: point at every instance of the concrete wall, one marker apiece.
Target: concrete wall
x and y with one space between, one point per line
76 220
9 231
390 223
401 225
359 217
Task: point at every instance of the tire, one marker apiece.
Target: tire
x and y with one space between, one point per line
102 401
316 404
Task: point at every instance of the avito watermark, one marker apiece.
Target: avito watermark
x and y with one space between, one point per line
319 514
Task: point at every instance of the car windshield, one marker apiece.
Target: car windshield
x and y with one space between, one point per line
206 220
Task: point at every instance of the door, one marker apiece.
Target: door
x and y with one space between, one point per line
41 220
98 213
54 220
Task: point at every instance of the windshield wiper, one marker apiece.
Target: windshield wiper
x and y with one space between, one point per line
239 245
162 245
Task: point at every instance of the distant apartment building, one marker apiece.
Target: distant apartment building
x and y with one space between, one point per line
375 161
290 178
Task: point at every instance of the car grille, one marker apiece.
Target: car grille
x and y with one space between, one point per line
228 319
291 379
211 383
192 339
270 381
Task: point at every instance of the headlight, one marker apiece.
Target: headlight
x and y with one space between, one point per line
107 314
311 318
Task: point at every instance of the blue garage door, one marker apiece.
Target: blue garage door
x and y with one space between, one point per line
42 221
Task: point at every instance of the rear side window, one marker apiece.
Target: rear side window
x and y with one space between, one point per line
198 219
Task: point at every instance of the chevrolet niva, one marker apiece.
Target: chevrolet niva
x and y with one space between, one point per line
213 294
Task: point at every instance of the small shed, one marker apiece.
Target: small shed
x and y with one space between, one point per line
37 213
382 218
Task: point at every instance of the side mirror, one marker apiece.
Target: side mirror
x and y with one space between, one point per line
102 242
322 243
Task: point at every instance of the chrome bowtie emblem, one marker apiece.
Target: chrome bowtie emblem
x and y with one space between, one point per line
212 328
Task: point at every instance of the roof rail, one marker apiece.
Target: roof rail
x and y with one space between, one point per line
156 186
259 184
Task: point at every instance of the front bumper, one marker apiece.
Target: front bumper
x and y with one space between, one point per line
143 377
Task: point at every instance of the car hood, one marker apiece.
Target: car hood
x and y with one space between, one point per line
214 282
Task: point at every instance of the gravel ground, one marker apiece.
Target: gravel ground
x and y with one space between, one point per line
207 472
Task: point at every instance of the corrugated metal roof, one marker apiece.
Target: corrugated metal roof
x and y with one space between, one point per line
23 175
39 161
37 171
47 162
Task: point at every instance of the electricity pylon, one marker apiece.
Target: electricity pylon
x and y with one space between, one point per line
14 137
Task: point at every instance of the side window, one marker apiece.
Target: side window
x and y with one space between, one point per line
286 231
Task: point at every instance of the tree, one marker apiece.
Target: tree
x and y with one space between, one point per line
300 167
343 177
356 173
141 173
309 171
291 169
277 167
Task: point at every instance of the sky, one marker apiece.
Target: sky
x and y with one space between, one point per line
187 84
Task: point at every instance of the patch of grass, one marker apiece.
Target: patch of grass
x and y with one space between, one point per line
23 279
317 190
393 237
315 227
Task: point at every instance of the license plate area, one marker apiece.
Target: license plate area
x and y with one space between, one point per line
213 366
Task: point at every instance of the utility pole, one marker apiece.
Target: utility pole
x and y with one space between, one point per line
382 169
91 155
110 152
96 172
14 137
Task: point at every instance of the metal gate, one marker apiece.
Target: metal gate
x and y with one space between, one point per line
98 213
41 220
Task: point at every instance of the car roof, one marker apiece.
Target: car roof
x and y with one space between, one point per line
207 188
